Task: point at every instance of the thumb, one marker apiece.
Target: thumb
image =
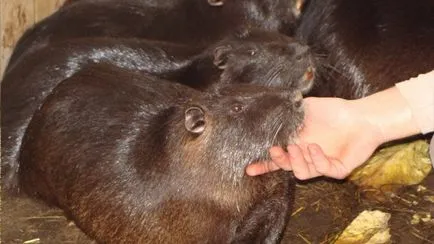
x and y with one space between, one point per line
327 166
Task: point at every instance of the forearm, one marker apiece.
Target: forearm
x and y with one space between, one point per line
401 111
419 93
389 112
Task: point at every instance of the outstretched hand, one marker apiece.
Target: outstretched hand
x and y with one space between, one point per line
335 139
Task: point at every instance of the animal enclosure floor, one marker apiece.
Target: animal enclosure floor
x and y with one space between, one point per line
27 221
322 210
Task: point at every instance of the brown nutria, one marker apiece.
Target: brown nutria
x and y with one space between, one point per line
258 57
192 22
26 85
370 45
265 58
150 161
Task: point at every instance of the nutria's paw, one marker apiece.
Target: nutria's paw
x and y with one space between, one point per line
216 2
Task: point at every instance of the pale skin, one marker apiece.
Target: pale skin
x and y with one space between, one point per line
339 135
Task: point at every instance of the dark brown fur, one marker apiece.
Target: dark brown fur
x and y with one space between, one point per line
26 85
192 22
258 57
265 58
369 45
149 161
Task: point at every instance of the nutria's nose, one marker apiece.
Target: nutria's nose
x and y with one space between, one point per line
297 96
293 96
298 100
300 51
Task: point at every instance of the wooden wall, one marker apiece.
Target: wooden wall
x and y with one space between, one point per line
15 17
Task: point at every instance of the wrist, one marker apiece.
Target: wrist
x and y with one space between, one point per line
389 115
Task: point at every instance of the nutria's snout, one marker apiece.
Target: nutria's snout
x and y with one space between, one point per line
307 80
293 99
304 64
297 100
309 75
301 51
297 97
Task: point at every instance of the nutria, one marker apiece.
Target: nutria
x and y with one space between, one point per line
192 22
26 85
133 159
258 57
265 58
369 44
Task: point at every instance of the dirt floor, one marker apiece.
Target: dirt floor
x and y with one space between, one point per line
324 208
322 211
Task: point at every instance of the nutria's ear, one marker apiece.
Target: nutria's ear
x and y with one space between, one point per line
221 54
216 2
195 120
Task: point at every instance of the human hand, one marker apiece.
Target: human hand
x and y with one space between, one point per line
337 137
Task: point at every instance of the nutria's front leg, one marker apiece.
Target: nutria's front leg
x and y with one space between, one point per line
267 220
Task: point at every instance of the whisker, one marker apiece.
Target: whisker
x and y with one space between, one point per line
337 70
273 74
277 132
320 55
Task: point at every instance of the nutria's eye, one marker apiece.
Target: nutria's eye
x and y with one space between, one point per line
252 52
237 108
298 57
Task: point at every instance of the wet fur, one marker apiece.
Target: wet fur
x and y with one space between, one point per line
182 54
30 81
268 66
193 22
264 58
117 157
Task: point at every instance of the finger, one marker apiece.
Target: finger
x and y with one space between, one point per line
300 166
280 158
260 168
327 166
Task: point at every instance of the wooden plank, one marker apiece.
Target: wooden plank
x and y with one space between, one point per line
15 17
43 8
2 65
